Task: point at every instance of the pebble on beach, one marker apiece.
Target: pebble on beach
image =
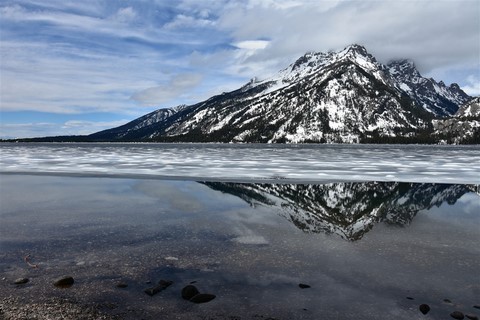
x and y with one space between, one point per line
471 316
304 286
424 308
121 285
21 281
64 282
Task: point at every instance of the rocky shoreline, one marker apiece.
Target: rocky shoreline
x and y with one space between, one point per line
13 308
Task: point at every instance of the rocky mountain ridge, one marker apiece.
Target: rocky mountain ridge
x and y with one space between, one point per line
334 97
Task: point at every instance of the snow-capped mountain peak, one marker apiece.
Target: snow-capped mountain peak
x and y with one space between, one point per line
342 97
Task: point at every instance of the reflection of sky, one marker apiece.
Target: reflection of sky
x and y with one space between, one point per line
466 211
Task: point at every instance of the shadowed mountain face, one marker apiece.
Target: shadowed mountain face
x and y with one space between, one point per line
349 210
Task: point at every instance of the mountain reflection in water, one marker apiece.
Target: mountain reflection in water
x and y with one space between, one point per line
347 209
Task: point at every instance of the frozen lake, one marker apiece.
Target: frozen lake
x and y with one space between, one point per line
224 162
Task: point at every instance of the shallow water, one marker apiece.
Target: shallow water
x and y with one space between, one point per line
362 247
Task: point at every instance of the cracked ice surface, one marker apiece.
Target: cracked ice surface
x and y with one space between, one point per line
249 162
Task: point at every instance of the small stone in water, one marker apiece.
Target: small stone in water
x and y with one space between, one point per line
189 292
457 315
162 285
202 298
64 282
410 298
303 286
21 281
424 308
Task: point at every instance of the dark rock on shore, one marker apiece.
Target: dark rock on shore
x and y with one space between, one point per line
304 286
476 306
457 315
202 298
424 308
64 282
189 292
21 281
471 316
121 285
410 298
162 285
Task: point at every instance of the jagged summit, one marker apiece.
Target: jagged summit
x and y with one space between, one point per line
405 68
433 96
334 97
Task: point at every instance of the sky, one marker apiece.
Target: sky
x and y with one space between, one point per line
78 67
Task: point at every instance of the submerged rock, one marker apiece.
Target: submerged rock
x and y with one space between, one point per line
64 282
162 285
457 315
202 298
424 308
189 292
21 281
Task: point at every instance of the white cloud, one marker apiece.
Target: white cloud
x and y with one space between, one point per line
43 129
178 85
251 44
473 86
125 15
426 31
184 21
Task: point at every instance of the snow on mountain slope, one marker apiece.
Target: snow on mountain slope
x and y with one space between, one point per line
344 97
470 109
463 127
434 96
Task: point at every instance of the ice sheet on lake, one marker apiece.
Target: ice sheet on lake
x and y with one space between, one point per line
223 162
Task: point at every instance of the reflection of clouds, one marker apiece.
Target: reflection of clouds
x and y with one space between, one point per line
248 236
464 211
171 193
471 203
251 239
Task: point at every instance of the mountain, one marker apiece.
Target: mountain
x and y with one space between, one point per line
348 210
463 127
433 96
333 97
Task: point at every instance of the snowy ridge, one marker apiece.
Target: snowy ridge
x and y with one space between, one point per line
334 97
435 97
463 126
470 109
